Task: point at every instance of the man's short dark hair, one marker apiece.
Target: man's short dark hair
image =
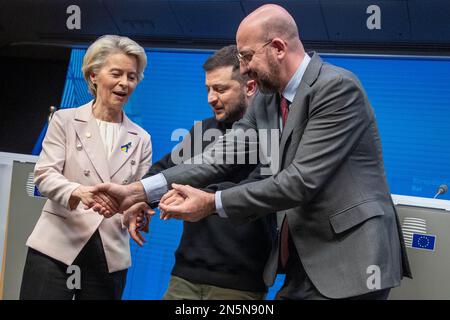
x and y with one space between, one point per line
226 57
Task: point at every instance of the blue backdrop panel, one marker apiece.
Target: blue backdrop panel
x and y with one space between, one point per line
411 101
410 97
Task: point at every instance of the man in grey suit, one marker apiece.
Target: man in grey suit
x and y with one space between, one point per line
338 232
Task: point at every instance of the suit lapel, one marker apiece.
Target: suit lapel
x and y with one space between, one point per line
87 130
297 113
125 146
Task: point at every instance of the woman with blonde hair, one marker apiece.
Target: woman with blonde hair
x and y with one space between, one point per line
76 253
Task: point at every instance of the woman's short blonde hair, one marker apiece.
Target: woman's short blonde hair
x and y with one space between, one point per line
96 55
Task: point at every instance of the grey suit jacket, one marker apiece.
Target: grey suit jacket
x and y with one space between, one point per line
331 186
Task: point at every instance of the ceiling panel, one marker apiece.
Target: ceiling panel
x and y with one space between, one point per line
213 19
307 15
141 17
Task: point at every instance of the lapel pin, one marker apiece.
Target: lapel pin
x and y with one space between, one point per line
125 147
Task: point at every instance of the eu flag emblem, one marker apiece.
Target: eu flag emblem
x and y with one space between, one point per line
423 241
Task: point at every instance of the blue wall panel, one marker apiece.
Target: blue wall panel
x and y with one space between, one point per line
411 98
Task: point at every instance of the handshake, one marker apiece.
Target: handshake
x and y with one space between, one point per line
183 202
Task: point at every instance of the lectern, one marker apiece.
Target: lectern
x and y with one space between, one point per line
20 208
426 229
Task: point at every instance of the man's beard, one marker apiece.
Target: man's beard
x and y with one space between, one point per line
236 112
269 82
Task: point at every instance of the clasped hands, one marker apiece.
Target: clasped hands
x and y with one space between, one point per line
182 202
136 217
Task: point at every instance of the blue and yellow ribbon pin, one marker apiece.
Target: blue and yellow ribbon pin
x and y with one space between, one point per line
125 147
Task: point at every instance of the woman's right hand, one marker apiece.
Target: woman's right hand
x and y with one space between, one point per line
86 195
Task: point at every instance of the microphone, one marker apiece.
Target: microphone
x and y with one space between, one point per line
443 188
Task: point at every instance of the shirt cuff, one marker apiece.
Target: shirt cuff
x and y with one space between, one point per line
155 187
219 207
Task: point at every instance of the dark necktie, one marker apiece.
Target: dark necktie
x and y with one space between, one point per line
284 253
284 108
